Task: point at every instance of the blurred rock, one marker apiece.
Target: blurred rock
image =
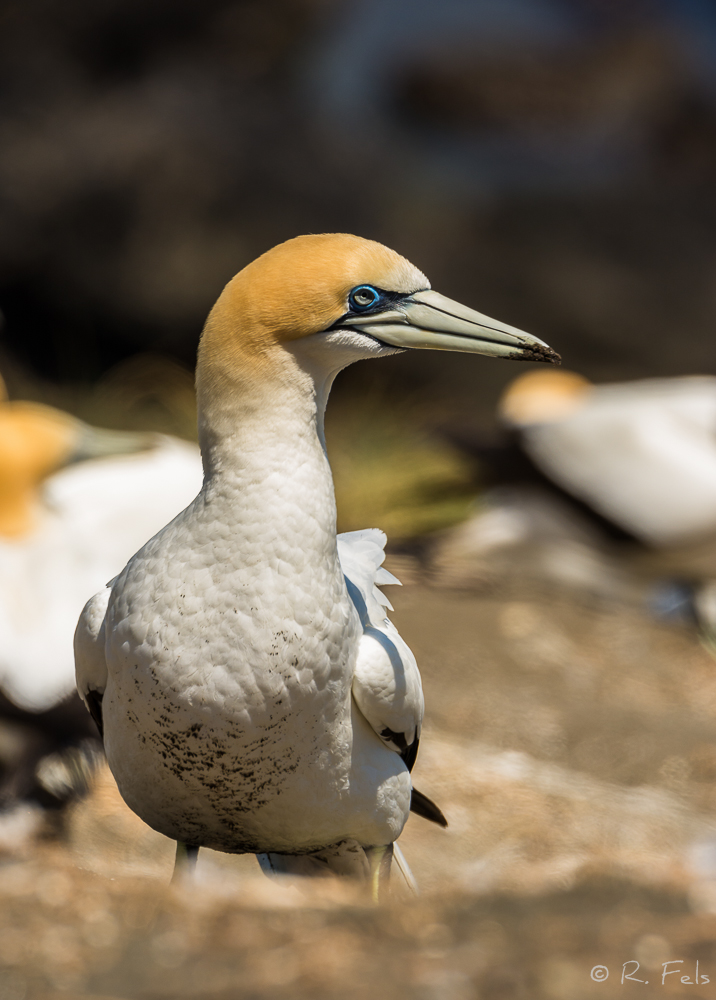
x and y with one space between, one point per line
522 538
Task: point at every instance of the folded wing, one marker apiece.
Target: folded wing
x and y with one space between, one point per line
386 683
90 662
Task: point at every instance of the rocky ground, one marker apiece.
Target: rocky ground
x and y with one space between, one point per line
571 743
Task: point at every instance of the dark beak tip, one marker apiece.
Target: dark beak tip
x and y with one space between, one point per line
540 353
553 358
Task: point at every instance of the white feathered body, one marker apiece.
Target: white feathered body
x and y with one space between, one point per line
94 516
228 656
254 697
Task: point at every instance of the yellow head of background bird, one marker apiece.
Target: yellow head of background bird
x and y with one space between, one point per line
38 440
543 397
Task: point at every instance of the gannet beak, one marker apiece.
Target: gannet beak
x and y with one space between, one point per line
433 322
97 442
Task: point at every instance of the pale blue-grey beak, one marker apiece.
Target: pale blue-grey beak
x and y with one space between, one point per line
433 322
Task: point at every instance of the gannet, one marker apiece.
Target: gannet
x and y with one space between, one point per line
253 695
641 454
75 503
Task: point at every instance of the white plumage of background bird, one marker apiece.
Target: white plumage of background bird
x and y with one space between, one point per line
641 454
75 503
253 695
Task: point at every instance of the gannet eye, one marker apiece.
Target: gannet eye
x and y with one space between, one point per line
363 297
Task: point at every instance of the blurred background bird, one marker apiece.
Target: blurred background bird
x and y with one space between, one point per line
75 502
642 455
628 468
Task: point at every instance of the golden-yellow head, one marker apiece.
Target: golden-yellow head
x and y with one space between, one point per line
314 284
302 286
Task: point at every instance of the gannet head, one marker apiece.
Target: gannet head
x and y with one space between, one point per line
543 397
358 297
38 440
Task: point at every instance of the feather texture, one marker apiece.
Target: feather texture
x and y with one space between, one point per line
386 680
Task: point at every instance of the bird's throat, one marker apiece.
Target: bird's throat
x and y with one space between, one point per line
264 457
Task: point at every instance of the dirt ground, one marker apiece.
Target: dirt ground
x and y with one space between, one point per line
571 744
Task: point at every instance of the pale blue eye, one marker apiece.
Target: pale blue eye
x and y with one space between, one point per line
363 297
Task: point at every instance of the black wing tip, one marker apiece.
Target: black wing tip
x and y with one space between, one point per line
421 805
94 704
410 754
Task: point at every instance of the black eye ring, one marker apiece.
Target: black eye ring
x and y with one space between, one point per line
363 297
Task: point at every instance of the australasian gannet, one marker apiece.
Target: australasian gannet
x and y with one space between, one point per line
67 524
641 454
252 693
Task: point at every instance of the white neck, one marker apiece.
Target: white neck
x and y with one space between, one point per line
266 472
263 444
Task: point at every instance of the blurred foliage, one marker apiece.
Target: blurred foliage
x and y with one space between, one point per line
145 392
391 473
554 169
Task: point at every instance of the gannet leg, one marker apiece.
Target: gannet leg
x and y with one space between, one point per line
185 862
405 871
379 859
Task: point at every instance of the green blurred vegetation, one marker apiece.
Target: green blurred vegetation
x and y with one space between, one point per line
390 472
147 392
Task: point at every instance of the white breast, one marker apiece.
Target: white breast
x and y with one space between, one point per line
232 643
